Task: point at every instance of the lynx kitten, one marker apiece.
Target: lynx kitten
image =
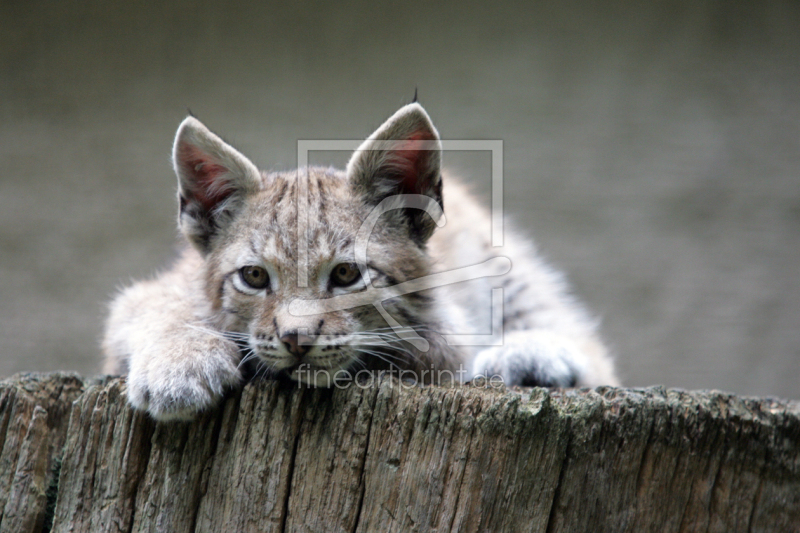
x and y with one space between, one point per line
318 273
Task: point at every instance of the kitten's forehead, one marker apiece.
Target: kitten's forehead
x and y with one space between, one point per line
330 175
332 212
315 187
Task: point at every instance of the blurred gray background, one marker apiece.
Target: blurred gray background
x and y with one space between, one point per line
652 149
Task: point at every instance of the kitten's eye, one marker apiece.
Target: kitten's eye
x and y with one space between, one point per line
345 274
254 276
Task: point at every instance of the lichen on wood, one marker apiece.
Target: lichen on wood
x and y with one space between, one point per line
384 455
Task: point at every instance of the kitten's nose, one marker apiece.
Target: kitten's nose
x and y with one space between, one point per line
297 344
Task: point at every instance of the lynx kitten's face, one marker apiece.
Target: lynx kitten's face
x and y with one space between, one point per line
254 273
276 243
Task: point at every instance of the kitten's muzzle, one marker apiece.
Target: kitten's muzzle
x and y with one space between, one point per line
298 345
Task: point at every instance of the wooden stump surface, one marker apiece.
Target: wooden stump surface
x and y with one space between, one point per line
390 456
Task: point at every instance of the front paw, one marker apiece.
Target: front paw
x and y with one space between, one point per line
179 384
531 359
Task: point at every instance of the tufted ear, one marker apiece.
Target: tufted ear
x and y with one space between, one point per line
213 178
402 157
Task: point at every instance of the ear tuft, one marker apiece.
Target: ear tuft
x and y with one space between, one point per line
212 180
402 157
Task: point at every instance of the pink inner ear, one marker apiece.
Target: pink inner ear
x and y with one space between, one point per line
412 160
208 186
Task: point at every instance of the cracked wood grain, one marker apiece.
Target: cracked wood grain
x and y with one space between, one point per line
388 456
34 412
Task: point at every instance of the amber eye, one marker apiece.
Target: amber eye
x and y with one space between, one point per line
255 276
344 274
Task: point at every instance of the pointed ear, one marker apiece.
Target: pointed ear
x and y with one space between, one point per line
402 157
213 179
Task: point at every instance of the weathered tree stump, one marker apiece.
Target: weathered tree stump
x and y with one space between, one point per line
389 456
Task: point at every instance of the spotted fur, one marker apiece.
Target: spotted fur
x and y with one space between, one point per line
203 326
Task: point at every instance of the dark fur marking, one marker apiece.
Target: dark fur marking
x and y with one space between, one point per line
362 312
534 378
410 319
322 187
517 315
422 298
321 208
280 194
438 194
519 290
